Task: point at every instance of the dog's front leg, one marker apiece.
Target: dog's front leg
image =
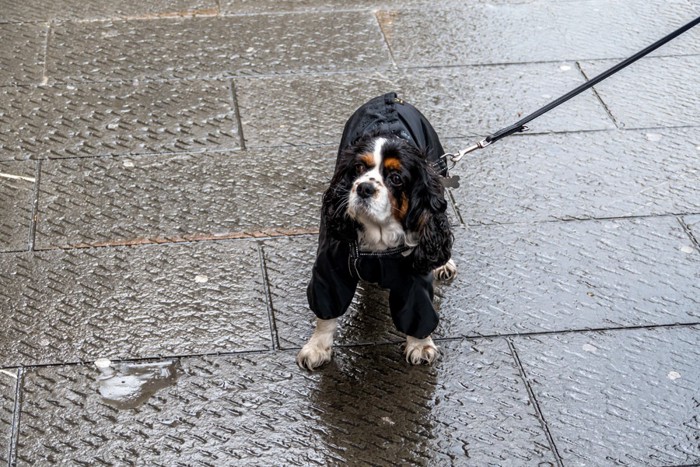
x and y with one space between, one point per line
420 350
318 350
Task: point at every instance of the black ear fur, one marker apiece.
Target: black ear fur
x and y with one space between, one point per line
427 218
335 200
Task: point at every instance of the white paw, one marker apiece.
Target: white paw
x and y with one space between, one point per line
313 356
419 351
446 272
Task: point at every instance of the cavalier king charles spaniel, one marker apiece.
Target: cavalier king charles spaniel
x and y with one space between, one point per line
384 221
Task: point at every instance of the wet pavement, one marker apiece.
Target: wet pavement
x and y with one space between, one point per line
161 167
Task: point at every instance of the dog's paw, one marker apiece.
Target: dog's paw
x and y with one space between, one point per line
446 272
421 351
313 356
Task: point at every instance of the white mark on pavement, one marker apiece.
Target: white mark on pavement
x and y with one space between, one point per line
201 279
9 373
589 348
654 137
18 177
687 249
103 363
565 68
127 163
673 375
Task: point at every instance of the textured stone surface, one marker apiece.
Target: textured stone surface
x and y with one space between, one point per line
458 102
693 223
558 276
212 47
623 398
16 200
8 384
102 119
80 305
185 197
22 53
39 10
367 407
581 175
653 92
467 33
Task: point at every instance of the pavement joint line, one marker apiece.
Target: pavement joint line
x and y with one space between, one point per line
237 114
35 207
345 346
16 411
689 232
274 336
375 14
535 403
598 96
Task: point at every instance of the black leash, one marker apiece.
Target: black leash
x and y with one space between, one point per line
519 126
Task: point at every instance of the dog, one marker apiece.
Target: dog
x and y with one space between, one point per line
384 221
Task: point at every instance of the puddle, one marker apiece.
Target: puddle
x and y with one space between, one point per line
126 385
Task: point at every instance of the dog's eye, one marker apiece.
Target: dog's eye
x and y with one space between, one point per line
395 179
360 168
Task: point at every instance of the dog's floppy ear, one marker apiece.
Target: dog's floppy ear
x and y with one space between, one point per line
335 200
427 220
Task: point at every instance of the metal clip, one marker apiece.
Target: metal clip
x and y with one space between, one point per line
454 158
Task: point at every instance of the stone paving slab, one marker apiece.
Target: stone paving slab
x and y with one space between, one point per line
16 201
618 397
110 119
563 276
458 101
654 92
145 199
77 10
469 34
215 47
22 53
516 279
8 384
581 175
367 407
158 300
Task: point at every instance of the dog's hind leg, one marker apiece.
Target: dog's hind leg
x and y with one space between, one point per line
319 349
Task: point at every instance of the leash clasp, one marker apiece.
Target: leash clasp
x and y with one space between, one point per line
454 158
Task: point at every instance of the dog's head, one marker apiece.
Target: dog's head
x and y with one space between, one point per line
384 189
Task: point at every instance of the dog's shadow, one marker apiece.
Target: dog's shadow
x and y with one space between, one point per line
374 408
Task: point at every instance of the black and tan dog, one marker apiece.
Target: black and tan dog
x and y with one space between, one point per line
384 221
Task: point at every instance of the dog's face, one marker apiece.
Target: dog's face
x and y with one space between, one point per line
385 194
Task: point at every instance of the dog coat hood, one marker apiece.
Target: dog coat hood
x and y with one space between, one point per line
388 114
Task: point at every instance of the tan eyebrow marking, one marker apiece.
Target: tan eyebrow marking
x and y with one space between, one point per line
368 159
393 164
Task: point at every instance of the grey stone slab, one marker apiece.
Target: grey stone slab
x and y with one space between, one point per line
298 110
16 201
517 278
557 276
234 7
468 33
8 384
39 10
146 199
459 102
213 47
580 175
22 53
367 407
175 299
653 92
108 119
623 398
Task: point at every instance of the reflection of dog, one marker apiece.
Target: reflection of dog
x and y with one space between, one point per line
383 220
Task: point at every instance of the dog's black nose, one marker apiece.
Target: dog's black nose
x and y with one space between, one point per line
365 190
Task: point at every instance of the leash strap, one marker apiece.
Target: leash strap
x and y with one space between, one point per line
519 126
